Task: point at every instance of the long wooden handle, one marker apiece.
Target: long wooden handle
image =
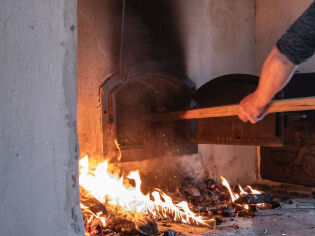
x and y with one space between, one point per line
284 105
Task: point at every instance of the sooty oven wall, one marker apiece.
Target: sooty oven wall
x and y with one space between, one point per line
215 37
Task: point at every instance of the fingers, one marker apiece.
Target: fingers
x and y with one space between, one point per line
243 118
251 115
260 117
252 120
248 110
241 114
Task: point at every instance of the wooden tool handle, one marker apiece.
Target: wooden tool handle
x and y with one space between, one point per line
284 105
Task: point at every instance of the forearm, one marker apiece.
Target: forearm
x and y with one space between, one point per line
276 73
294 47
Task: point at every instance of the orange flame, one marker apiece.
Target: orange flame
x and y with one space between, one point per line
85 209
253 191
225 183
109 187
235 196
119 152
242 190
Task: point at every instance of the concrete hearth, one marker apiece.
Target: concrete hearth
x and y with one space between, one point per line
286 221
295 217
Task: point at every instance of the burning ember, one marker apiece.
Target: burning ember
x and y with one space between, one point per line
221 200
246 202
111 202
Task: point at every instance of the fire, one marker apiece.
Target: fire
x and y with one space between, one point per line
225 183
242 190
106 194
92 215
235 196
253 191
110 188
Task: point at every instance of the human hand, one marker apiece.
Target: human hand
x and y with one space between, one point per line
251 109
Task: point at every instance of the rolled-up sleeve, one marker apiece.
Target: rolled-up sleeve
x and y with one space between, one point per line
298 43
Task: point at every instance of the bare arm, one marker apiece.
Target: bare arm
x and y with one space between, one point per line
294 47
276 73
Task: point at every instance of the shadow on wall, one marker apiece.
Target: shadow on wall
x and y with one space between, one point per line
150 35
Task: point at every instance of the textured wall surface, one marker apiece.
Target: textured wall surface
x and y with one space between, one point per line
98 57
38 144
216 38
273 17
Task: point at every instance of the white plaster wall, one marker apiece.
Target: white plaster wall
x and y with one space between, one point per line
218 38
38 144
273 18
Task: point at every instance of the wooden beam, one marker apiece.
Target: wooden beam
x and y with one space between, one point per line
284 105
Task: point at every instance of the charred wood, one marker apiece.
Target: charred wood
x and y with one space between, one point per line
117 219
91 202
255 198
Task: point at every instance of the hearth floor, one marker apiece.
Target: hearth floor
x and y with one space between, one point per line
296 218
